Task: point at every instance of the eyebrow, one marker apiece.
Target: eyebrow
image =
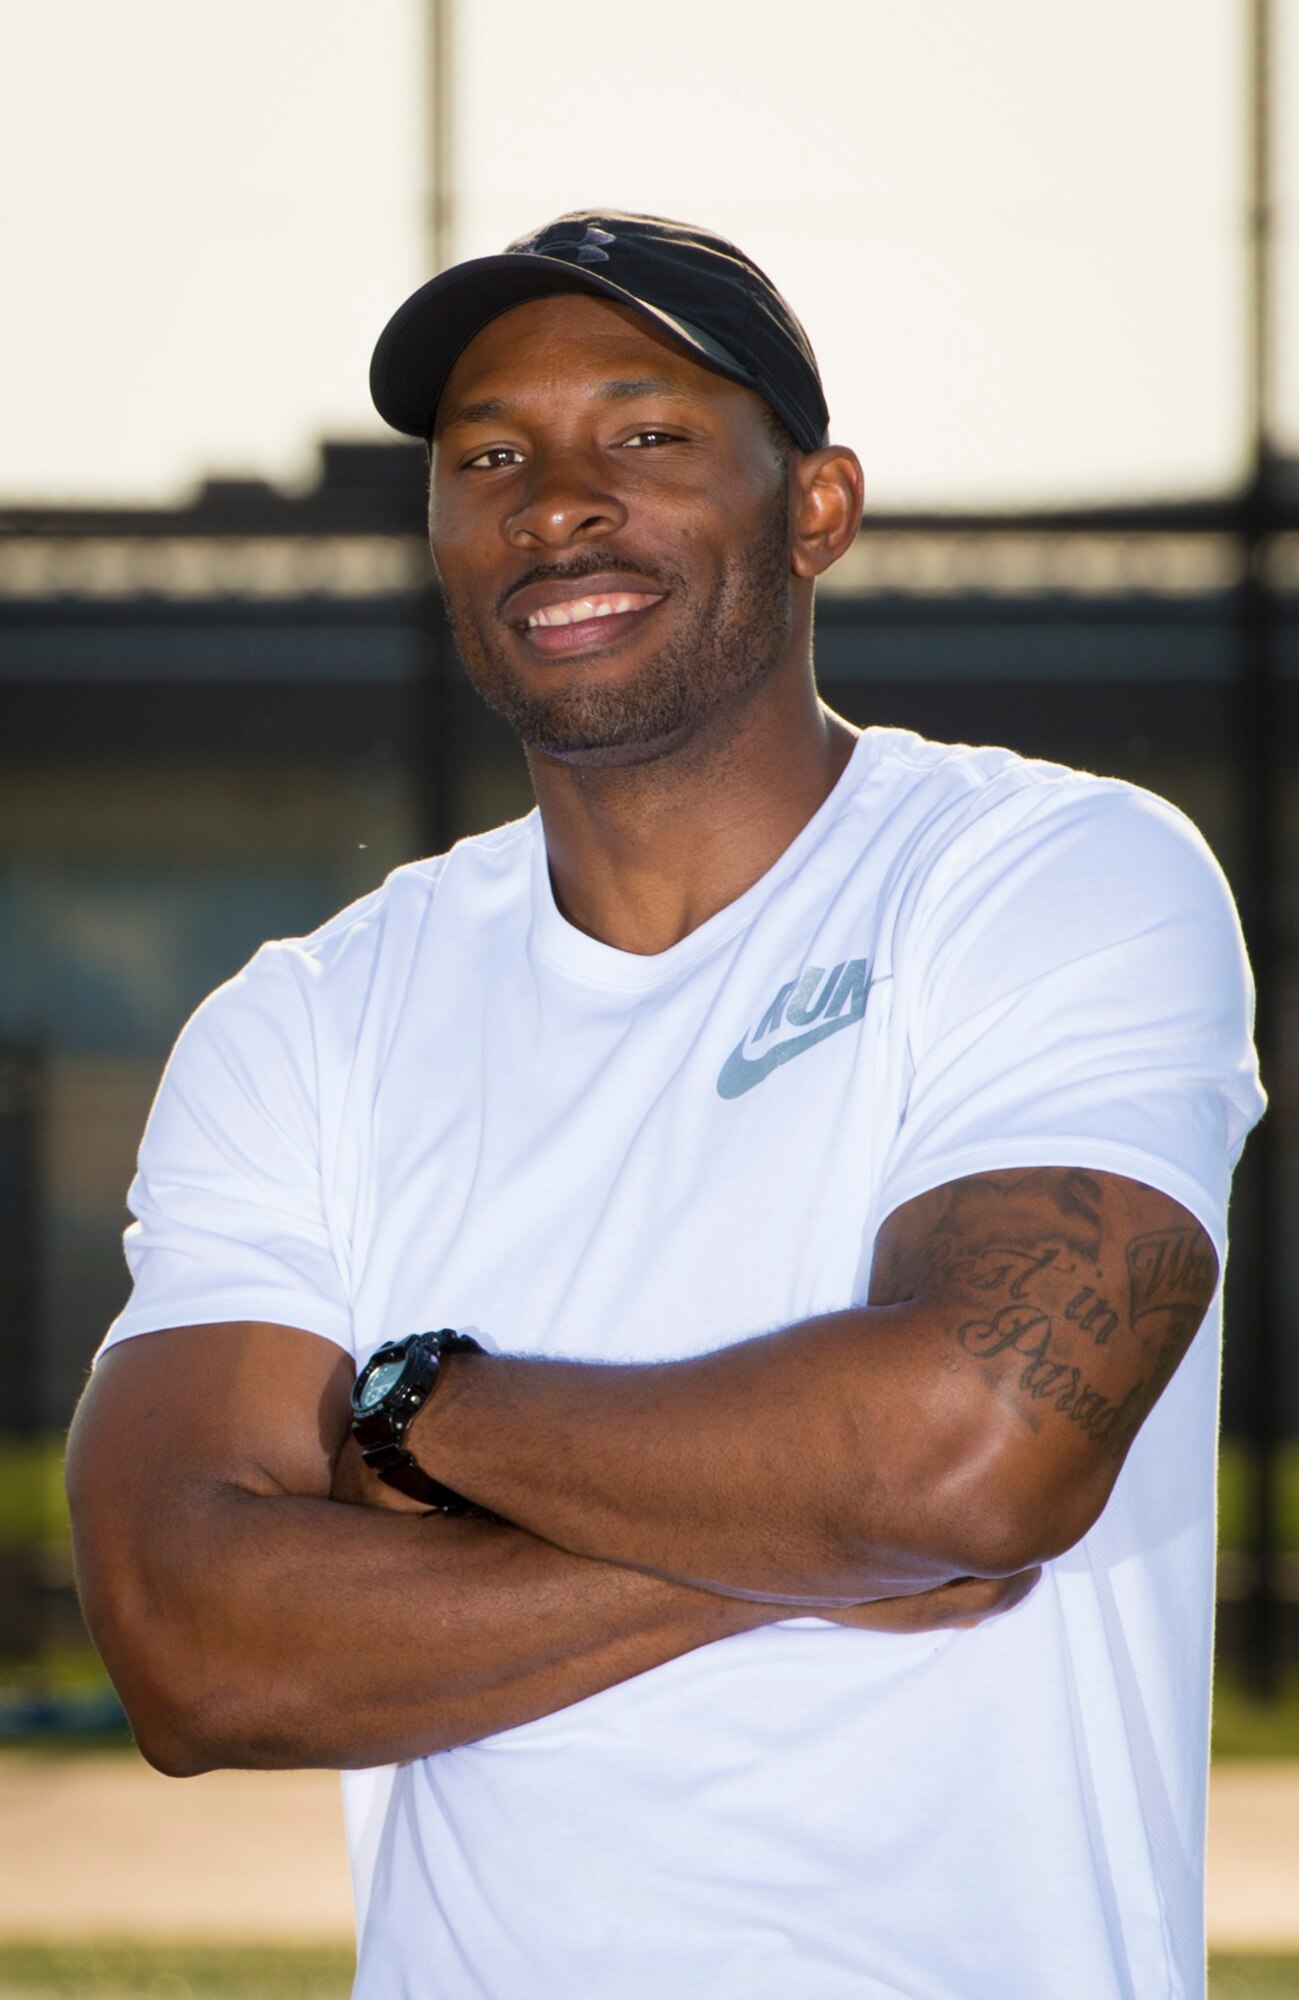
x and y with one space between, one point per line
626 387
484 412
621 389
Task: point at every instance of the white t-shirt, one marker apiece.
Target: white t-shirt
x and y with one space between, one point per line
449 1107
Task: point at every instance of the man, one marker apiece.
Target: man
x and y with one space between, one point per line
817 1145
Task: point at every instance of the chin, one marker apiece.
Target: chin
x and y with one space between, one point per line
620 720
601 755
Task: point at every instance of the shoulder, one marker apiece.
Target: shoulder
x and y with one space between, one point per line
988 818
323 981
1024 877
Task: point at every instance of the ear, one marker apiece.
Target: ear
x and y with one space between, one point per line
827 495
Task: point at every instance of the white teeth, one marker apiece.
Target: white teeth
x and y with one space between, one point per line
578 609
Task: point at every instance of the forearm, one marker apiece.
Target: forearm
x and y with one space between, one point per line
282 1631
970 1420
818 1462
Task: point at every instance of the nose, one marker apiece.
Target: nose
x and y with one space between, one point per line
565 501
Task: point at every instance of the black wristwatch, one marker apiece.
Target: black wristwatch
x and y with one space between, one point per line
388 1395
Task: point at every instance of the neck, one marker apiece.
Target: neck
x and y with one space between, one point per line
641 854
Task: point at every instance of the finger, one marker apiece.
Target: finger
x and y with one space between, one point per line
354 1483
962 1603
988 1597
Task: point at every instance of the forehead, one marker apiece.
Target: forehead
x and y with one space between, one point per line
575 342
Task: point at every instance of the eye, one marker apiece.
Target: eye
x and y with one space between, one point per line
652 437
494 458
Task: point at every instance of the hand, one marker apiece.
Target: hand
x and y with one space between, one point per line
355 1483
964 1602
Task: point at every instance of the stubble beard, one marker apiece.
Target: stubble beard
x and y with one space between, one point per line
726 650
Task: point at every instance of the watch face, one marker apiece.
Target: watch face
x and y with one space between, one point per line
377 1385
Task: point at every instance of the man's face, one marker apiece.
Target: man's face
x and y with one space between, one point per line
610 524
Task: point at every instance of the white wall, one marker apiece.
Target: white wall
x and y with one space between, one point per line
1012 229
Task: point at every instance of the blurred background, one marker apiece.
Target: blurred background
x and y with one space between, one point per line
1049 258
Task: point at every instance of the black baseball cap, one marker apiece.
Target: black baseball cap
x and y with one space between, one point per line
696 286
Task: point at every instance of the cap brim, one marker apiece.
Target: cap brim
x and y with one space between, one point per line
420 344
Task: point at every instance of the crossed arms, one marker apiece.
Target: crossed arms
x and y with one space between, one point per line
897 1466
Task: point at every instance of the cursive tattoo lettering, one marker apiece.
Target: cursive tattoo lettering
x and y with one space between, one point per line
1172 1270
1074 1312
1093 1314
1046 1377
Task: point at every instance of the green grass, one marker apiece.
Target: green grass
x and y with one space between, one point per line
32 1503
1235 1502
1236 1976
172 1972
177 1972
1244 1727
60 1669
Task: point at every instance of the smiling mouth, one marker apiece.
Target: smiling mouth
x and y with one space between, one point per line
576 626
580 610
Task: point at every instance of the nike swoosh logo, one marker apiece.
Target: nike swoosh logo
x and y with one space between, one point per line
739 1074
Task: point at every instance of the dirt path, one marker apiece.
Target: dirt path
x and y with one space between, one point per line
102 1847
1254 1856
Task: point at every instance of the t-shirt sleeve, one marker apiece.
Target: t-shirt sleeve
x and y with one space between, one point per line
230 1215
1077 995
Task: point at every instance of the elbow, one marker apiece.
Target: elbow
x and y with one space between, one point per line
194 1705
191 1704
202 1708
207 1712
179 1727
981 1505
1005 1541
1010 1520
169 1750
192 1725
182 1724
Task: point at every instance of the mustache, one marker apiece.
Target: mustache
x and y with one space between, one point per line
580 567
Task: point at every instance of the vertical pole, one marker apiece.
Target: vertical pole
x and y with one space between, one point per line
437 706
1260 384
440 190
1261 776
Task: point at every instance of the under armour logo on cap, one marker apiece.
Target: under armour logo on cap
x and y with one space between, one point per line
590 250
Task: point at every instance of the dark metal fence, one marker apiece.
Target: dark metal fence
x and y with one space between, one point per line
220 723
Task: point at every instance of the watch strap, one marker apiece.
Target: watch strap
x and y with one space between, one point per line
381 1432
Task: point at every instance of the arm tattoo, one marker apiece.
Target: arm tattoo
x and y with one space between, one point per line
1093 1313
1172 1271
1045 1377
1171 1278
1025 1269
